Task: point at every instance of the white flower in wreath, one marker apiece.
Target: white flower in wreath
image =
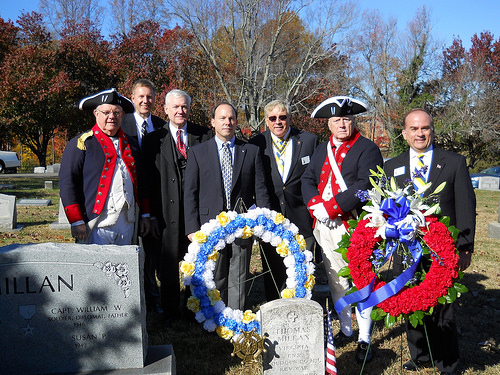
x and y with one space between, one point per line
200 261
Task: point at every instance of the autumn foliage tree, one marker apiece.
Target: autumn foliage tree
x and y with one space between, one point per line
469 99
37 95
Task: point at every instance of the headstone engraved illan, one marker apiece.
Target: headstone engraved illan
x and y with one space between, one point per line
8 212
72 308
294 337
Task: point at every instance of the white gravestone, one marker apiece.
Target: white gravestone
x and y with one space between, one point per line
62 222
71 307
294 337
489 182
8 212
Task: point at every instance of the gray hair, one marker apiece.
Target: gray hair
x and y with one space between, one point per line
280 104
177 92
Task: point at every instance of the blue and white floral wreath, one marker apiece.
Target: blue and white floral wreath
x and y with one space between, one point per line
199 264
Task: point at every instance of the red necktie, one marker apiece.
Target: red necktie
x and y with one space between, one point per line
180 144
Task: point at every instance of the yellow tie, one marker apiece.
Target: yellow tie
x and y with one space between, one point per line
419 174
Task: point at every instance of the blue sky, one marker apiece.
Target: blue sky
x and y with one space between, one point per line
457 18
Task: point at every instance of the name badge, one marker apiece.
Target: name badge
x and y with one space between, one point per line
306 160
399 171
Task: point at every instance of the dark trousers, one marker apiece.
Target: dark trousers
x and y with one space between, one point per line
443 338
152 260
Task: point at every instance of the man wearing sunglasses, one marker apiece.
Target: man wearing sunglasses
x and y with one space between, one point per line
100 179
286 153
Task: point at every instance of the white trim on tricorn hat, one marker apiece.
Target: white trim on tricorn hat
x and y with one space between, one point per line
339 106
110 96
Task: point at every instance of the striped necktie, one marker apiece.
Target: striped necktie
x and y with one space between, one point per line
279 154
143 128
419 174
227 173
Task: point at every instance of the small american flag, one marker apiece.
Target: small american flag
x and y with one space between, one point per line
331 363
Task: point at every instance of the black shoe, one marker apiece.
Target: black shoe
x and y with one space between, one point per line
340 339
446 373
415 365
363 352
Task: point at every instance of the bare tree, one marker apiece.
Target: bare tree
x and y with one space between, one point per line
57 12
392 66
263 49
129 13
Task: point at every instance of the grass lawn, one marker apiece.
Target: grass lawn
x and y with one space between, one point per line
200 352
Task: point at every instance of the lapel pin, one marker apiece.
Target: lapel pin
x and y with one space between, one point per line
438 166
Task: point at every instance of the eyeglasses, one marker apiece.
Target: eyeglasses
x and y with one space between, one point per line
108 113
274 118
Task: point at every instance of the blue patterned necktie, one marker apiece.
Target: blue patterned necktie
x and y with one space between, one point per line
227 173
419 174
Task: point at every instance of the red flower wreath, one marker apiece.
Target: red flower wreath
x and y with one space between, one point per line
420 297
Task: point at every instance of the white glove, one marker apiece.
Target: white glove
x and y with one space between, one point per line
320 213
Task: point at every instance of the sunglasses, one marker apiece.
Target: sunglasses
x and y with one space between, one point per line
274 118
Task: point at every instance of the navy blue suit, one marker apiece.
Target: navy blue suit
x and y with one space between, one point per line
458 201
286 197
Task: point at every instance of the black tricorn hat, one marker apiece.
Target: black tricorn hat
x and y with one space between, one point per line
337 106
110 96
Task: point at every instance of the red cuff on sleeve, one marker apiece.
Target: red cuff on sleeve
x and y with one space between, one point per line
73 213
333 208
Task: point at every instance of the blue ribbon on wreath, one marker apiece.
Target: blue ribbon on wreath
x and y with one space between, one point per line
396 210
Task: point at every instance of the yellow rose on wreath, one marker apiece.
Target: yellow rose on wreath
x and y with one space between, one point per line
223 219
187 268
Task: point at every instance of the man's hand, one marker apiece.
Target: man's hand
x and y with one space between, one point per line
79 232
154 229
191 237
464 260
144 226
320 213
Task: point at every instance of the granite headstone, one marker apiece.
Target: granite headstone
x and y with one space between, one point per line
494 228
489 183
294 337
70 308
62 221
8 212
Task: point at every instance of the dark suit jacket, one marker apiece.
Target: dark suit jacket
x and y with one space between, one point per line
203 187
129 125
166 179
457 200
286 197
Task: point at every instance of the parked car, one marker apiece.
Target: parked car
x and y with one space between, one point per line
9 162
493 171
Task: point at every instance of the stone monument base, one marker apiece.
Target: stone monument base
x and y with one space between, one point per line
160 360
494 230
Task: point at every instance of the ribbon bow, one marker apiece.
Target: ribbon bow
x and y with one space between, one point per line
396 232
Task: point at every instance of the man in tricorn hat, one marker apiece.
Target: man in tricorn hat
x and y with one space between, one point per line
338 169
100 176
